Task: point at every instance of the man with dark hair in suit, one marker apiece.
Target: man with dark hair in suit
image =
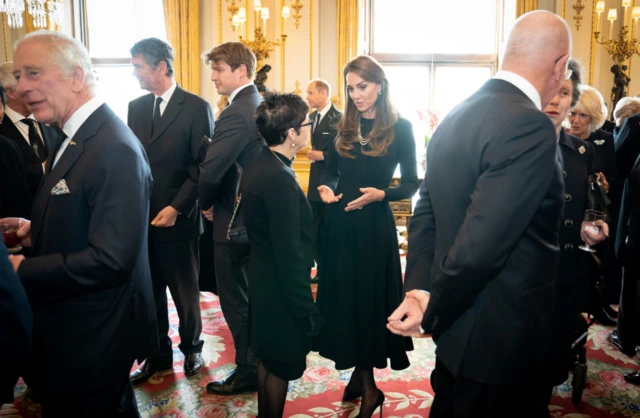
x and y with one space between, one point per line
236 139
32 138
15 327
484 242
324 118
87 276
15 196
170 124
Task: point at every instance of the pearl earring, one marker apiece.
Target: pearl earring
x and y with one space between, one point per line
293 145
379 92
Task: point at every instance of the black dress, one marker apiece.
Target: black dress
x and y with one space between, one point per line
361 283
279 223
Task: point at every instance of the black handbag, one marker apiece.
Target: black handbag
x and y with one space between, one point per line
596 196
239 249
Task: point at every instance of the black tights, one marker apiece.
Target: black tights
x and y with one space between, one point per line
272 393
362 380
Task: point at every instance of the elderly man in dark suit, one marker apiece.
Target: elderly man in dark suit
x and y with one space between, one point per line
484 243
170 124
236 138
32 138
87 276
324 119
15 327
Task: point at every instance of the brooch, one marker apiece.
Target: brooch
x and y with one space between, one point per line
582 150
599 141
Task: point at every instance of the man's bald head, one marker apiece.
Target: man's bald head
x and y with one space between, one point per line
538 48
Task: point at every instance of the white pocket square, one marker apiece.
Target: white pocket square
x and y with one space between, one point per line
60 188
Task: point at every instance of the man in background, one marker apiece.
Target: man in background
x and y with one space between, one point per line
170 124
324 118
236 139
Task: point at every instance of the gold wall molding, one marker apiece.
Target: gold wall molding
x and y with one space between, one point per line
297 89
310 39
525 6
592 49
578 7
297 6
219 21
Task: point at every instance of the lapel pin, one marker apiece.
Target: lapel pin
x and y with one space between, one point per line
72 143
581 149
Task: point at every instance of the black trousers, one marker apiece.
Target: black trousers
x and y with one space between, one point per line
207 275
464 398
233 290
114 401
319 210
175 265
628 315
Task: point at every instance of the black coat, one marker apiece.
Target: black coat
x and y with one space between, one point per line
484 236
32 164
173 156
15 327
323 138
579 161
15 196
235 138
88 275
279 223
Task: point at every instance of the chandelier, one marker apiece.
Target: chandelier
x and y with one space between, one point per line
39 11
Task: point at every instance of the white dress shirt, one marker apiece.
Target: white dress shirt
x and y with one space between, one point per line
166 96
16 118
235 92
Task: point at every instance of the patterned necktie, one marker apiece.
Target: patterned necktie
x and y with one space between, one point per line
37 145
52 155
156 115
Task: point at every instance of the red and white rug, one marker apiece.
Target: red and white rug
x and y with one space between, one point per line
318 393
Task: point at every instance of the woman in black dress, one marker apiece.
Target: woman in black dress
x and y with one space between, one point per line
277 215
362 282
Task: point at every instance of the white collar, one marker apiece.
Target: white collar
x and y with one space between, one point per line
521 83
324 111
235 92
15 116
166 96
80 116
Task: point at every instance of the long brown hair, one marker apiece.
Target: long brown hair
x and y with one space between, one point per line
382 133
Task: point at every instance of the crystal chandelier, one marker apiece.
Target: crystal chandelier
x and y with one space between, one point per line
36 9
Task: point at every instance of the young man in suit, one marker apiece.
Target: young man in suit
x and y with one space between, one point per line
490 267
87 276
170 123
32 138
236 138
324 118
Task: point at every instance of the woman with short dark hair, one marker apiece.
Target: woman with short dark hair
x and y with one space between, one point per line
278 218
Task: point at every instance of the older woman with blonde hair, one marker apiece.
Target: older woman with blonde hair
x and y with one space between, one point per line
586 120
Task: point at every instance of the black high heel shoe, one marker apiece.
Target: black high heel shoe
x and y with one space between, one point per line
378 403
349 395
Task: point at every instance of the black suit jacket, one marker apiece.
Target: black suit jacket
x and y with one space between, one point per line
323 138
32 164
484 236
88 274
15 327
15 195
173 152
279 224
235 138
627 245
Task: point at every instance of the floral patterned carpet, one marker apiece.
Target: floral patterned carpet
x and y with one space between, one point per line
318 393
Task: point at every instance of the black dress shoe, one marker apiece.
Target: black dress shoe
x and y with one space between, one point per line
629 351
315 279
239 382
603 317
610 311
633 378
193 363
148 369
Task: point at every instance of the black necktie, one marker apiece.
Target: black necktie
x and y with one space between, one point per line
37 145
52 155
316 122
156 115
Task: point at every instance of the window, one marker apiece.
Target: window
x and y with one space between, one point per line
435 53
112 27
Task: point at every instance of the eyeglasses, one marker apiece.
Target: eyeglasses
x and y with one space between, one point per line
568 74
305 124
